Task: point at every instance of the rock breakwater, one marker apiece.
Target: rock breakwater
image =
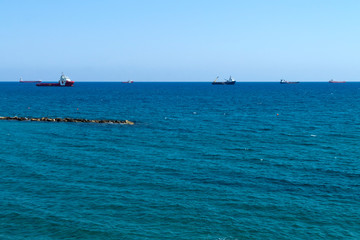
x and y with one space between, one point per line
76 120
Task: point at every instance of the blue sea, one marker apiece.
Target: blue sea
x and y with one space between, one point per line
249 161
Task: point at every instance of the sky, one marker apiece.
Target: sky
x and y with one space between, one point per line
187 40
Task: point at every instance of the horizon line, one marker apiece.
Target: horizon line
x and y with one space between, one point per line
144 81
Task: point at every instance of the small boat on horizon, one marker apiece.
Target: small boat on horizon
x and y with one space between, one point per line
229 81
282 81
22 81
63 82
333 81
130 81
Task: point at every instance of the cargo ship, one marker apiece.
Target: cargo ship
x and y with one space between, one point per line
22 81
63 82
282 81
333 81
229 81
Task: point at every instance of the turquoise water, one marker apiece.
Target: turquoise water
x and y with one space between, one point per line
250 161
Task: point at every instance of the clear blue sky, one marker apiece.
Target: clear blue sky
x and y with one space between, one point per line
187 40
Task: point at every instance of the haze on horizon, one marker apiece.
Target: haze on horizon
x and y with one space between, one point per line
186 40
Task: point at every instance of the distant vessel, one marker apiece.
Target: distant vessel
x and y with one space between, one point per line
332 81
229 81
130 81
63 82
282 81
22 81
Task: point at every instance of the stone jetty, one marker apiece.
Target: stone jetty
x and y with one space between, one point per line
76 120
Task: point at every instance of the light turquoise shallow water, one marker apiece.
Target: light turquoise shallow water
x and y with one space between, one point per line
250 161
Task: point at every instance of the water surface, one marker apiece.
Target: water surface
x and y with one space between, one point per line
249 161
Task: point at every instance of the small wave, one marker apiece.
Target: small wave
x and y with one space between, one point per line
239 149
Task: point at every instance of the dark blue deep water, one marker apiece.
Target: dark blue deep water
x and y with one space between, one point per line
250 161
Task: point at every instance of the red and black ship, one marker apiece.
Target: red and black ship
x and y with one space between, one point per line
63 82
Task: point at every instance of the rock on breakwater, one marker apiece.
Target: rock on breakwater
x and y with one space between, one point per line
76 120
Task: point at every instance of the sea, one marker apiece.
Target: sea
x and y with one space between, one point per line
215 162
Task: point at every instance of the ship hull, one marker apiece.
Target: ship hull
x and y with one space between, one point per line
223 83
30 81
67 84
289 82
